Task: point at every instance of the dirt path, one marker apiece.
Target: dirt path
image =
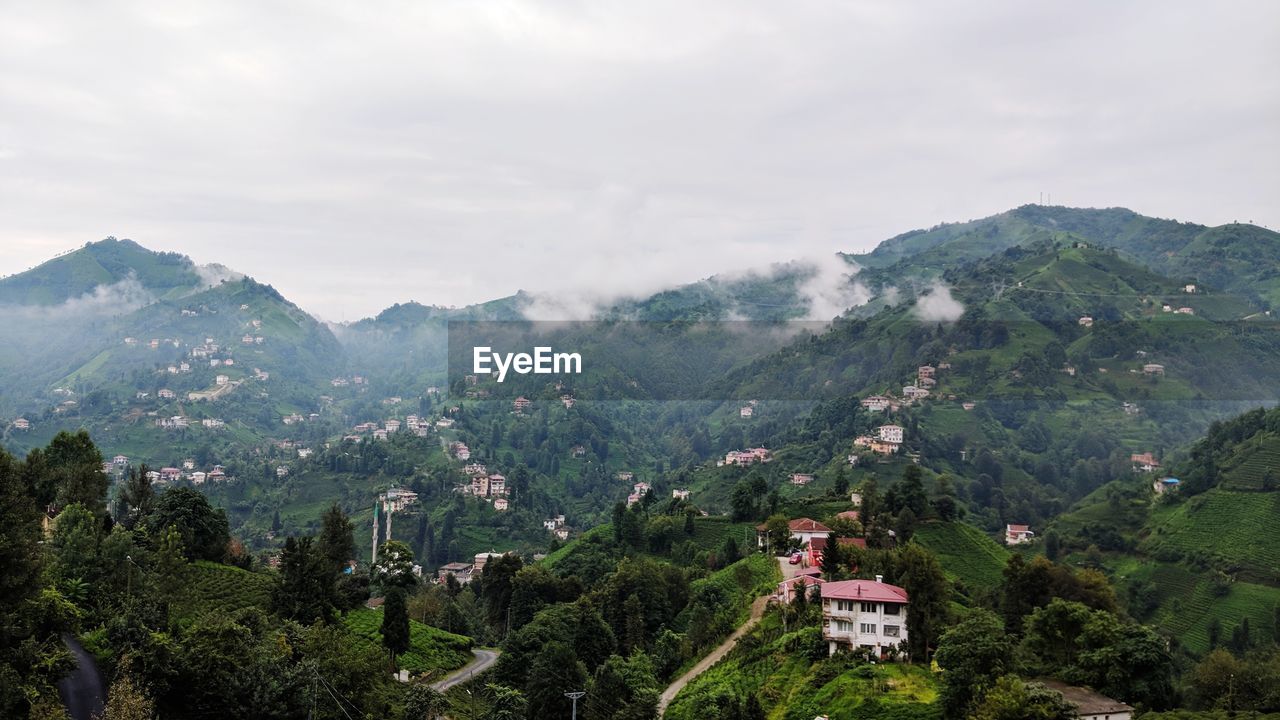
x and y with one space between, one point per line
757 612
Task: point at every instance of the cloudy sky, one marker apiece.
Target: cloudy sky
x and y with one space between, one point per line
356 154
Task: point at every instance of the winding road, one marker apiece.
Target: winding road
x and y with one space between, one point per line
757 611
82 690
482 660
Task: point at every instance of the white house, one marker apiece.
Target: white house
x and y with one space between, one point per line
1018 534
1165 484
746 411
876 403
890 433
1088 704
680 494
863 614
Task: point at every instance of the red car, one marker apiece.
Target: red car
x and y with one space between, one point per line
795 558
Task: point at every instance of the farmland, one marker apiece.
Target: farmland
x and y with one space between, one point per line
431 650
213 589
965 552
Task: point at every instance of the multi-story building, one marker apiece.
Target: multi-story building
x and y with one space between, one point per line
868 614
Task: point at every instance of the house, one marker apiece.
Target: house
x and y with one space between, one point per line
890 433
850 515
968 405
1085 321
304 453
167 394
925 371
747 457
875 403
578 451
282 471
802 529
1018 534
863 614
212 423
521 404
567 400
1153 369
818 544
460 572
480 486
497 484
679 494
914 392
391 425
198 477
746 411
217 474
293 419
483 558
1184 311
188 464
1088 704
787 589
460 451
221 380
472 469
500 504
801 479
379 434
1189 288
397 499
120 460
1166 484
1166 308
170 474
1145 462
562 534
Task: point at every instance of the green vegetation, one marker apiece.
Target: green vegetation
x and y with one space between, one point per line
213 589
965 552
431 650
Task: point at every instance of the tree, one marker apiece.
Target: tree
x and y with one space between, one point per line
555 671
912 490
623 689
395 623
137 498
423 702
72 469
841 481
495 587
1052 545
1012 699
394 567
905 525
506 703
170 563
922 577
633 611
944 501
305 592
337 543
204 531
127 701
973 654
743 501
778 530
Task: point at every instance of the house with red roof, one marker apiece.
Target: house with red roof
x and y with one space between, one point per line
868 614
818 544
787 588
1018 534
802 529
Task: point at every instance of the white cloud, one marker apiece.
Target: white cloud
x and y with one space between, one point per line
936 305
353 155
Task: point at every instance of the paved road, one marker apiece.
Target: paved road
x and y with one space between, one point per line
483 660
757 611
82 691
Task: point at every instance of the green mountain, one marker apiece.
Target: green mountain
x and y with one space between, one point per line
1238 258
105 263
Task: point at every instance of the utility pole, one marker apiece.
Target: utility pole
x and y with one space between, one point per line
574 697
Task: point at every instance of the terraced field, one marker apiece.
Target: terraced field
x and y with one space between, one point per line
965 552
432 650
1262 463
222 589
1237 531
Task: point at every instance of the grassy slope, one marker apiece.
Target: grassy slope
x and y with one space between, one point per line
1235 530
432 649
214 589
965 552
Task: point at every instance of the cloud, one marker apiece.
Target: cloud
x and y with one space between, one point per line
215 274
832 289
117 298
356 154
935 304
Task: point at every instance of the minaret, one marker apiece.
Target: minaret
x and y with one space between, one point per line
375 533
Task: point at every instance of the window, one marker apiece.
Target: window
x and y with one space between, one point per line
868 629
844 605
891 631
843 626
891 609
868 607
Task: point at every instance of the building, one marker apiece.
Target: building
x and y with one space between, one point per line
22 424
521 404
818 544
926 371
1153 369
875 403
1090 705
1189 289
680 494
1018 534
167 394
1085 321
1145 462
866 614
801 479
746 411
1166 484
500 504
198 477
282 471
497 484
482 559
1184 311
802 529
397 499
890 433
391 426
787 589
460 572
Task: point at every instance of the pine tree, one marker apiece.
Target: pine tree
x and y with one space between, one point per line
395 623
337 543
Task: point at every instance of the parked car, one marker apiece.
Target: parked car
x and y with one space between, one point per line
795 558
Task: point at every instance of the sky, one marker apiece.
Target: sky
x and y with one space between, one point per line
355 155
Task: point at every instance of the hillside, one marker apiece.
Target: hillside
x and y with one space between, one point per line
78 274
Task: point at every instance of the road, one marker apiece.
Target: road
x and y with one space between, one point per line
483 660
757 611
82 690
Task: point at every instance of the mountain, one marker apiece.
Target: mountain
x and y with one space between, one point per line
107 263
1237 258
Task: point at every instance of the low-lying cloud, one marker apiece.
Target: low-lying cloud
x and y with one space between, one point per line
936 305
117 298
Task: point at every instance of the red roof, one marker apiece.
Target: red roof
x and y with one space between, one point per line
848 515
1018 528
808 580
817 544
865 590
801 525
